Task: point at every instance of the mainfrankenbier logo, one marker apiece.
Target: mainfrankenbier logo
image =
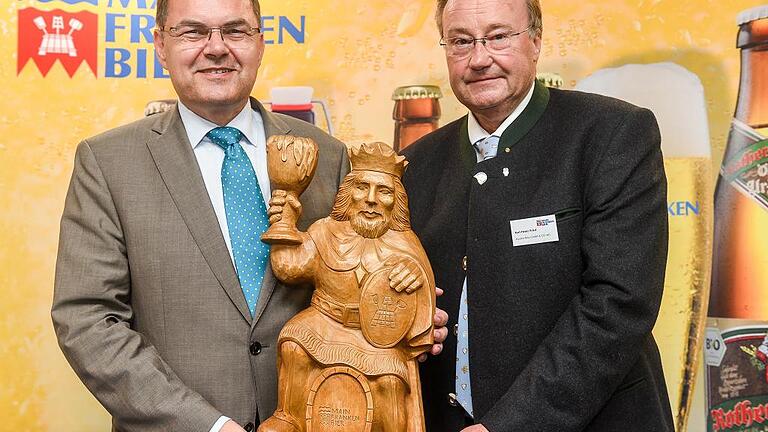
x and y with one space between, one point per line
72 38
48 36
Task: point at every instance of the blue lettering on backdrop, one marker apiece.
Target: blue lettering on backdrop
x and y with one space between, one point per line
142 25
288 26
683 208
113 26
140 4
284 25
116 65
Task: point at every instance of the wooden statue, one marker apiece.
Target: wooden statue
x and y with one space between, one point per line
348 362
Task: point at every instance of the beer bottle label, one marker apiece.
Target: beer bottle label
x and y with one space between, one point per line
736 354
747 170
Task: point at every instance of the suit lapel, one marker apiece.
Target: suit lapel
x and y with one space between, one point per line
455 180
273 125
527 119
175 160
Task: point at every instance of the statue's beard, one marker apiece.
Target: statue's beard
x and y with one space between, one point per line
369 228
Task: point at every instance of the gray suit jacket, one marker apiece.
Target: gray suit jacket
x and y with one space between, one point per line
147 305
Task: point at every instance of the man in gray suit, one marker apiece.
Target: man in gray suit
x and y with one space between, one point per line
163 305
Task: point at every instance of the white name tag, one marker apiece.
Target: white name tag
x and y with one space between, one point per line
535 230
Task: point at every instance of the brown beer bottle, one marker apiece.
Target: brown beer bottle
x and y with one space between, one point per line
416 112
736 344
740 264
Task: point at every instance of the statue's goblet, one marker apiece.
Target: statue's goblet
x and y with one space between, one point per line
291 163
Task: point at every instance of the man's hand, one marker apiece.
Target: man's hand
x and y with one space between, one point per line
406 275
231 426
475 428
277 203
440 332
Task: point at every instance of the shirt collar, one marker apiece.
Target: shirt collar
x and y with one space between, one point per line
248 121
477 133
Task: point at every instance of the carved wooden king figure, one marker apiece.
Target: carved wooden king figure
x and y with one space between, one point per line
348 362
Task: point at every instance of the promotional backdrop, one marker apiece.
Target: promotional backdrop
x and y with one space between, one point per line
74 68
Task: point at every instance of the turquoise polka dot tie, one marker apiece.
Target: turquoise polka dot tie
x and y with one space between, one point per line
246 213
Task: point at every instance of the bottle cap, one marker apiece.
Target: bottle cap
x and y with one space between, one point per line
550 79
753 14
417 92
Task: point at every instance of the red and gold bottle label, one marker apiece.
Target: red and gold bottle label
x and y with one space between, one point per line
747 170
736 355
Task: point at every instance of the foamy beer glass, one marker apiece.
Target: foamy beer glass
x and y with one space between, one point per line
676 97
291 163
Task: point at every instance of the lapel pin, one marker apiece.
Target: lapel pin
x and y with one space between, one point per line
481 177
505 171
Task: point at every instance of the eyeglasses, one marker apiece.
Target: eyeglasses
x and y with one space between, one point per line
235 36
461 46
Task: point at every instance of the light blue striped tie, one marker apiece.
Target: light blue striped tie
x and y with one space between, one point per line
488 148
246 213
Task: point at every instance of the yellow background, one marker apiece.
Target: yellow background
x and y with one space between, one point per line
356 53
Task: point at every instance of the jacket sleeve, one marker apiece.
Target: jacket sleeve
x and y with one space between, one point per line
599 337
92 316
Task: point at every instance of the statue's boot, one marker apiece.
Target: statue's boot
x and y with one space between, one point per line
295 369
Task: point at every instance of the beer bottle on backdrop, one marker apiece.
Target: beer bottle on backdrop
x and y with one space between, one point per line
416 112
736 344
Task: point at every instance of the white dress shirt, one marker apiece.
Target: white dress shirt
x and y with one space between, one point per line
210 158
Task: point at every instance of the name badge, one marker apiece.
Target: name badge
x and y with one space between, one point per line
535 230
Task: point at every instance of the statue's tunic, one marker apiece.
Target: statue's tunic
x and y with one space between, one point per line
330 330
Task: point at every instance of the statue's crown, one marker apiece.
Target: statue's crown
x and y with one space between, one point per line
378 157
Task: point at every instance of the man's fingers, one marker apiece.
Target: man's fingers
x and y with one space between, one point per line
436 349
441 317
440 334
422 358
439 291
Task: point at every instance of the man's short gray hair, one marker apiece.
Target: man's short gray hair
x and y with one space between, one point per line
535 23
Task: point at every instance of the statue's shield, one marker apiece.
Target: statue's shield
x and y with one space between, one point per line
385 314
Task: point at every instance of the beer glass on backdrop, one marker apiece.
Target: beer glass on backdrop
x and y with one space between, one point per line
736 346
676 97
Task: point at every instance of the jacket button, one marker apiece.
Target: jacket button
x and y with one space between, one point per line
255 348
464 263
452 399
249 427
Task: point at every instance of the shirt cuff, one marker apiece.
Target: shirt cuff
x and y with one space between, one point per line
219 423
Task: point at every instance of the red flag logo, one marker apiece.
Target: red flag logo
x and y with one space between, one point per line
47 36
